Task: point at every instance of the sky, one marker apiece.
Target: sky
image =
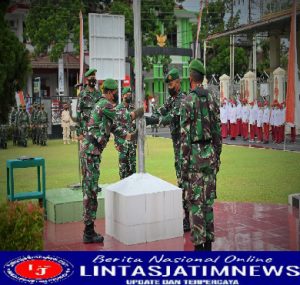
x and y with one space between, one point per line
242 5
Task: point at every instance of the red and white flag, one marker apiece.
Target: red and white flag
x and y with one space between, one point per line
292 104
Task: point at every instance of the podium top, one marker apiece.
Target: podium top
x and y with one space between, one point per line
24 162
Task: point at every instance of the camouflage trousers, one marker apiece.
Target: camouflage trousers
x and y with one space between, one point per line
200 195
23 133
176 148
34 134
90 167
127 161
42 134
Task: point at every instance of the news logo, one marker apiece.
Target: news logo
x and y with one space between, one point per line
38 269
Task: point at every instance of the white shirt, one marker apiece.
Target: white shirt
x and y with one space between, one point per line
252 116
223 115
245 114
266 116
276 118
239 111
228 108
260 115
283 116
272 117
232 115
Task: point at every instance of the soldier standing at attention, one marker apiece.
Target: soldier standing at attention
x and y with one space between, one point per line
86 102
169 114
23 124
200 150
33 122
126 149
13 123
42 122
99 128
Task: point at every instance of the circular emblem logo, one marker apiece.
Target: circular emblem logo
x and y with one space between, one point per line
38 269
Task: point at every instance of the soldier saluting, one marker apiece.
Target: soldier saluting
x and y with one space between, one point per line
200 150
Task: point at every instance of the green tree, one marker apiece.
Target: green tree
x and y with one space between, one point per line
157 17
218 53
14 65
50 24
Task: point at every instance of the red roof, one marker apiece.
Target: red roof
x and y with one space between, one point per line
70 61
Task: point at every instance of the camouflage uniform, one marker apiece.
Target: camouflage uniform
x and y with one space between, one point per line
23 124
99 129
3 136
126 149
85 104
170 115
200 150
13 122
42 122
33 122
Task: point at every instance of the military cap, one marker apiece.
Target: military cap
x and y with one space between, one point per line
110 84
172 75
126 90
91 71
197 65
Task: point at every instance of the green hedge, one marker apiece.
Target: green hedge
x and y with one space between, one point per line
21 226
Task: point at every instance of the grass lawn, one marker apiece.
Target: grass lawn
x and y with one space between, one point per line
246 174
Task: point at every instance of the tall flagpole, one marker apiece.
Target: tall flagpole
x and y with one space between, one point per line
81 57
139 96
198 28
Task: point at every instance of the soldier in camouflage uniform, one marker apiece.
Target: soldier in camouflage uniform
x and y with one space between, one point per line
42 123
200 150
33 122
3 136
99 128
13 123
169 114
23 124
126 149
86 101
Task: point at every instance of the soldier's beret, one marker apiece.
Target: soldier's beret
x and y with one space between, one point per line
91 71
172 75
110 84
126 90
197 65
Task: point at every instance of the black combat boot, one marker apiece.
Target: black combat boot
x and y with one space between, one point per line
207 245
90 236
199 247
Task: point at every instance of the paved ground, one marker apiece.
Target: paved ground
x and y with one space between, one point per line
238 226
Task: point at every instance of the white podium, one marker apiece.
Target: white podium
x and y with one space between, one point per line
143 208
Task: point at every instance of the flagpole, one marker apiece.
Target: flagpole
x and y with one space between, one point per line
198 28
138 83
